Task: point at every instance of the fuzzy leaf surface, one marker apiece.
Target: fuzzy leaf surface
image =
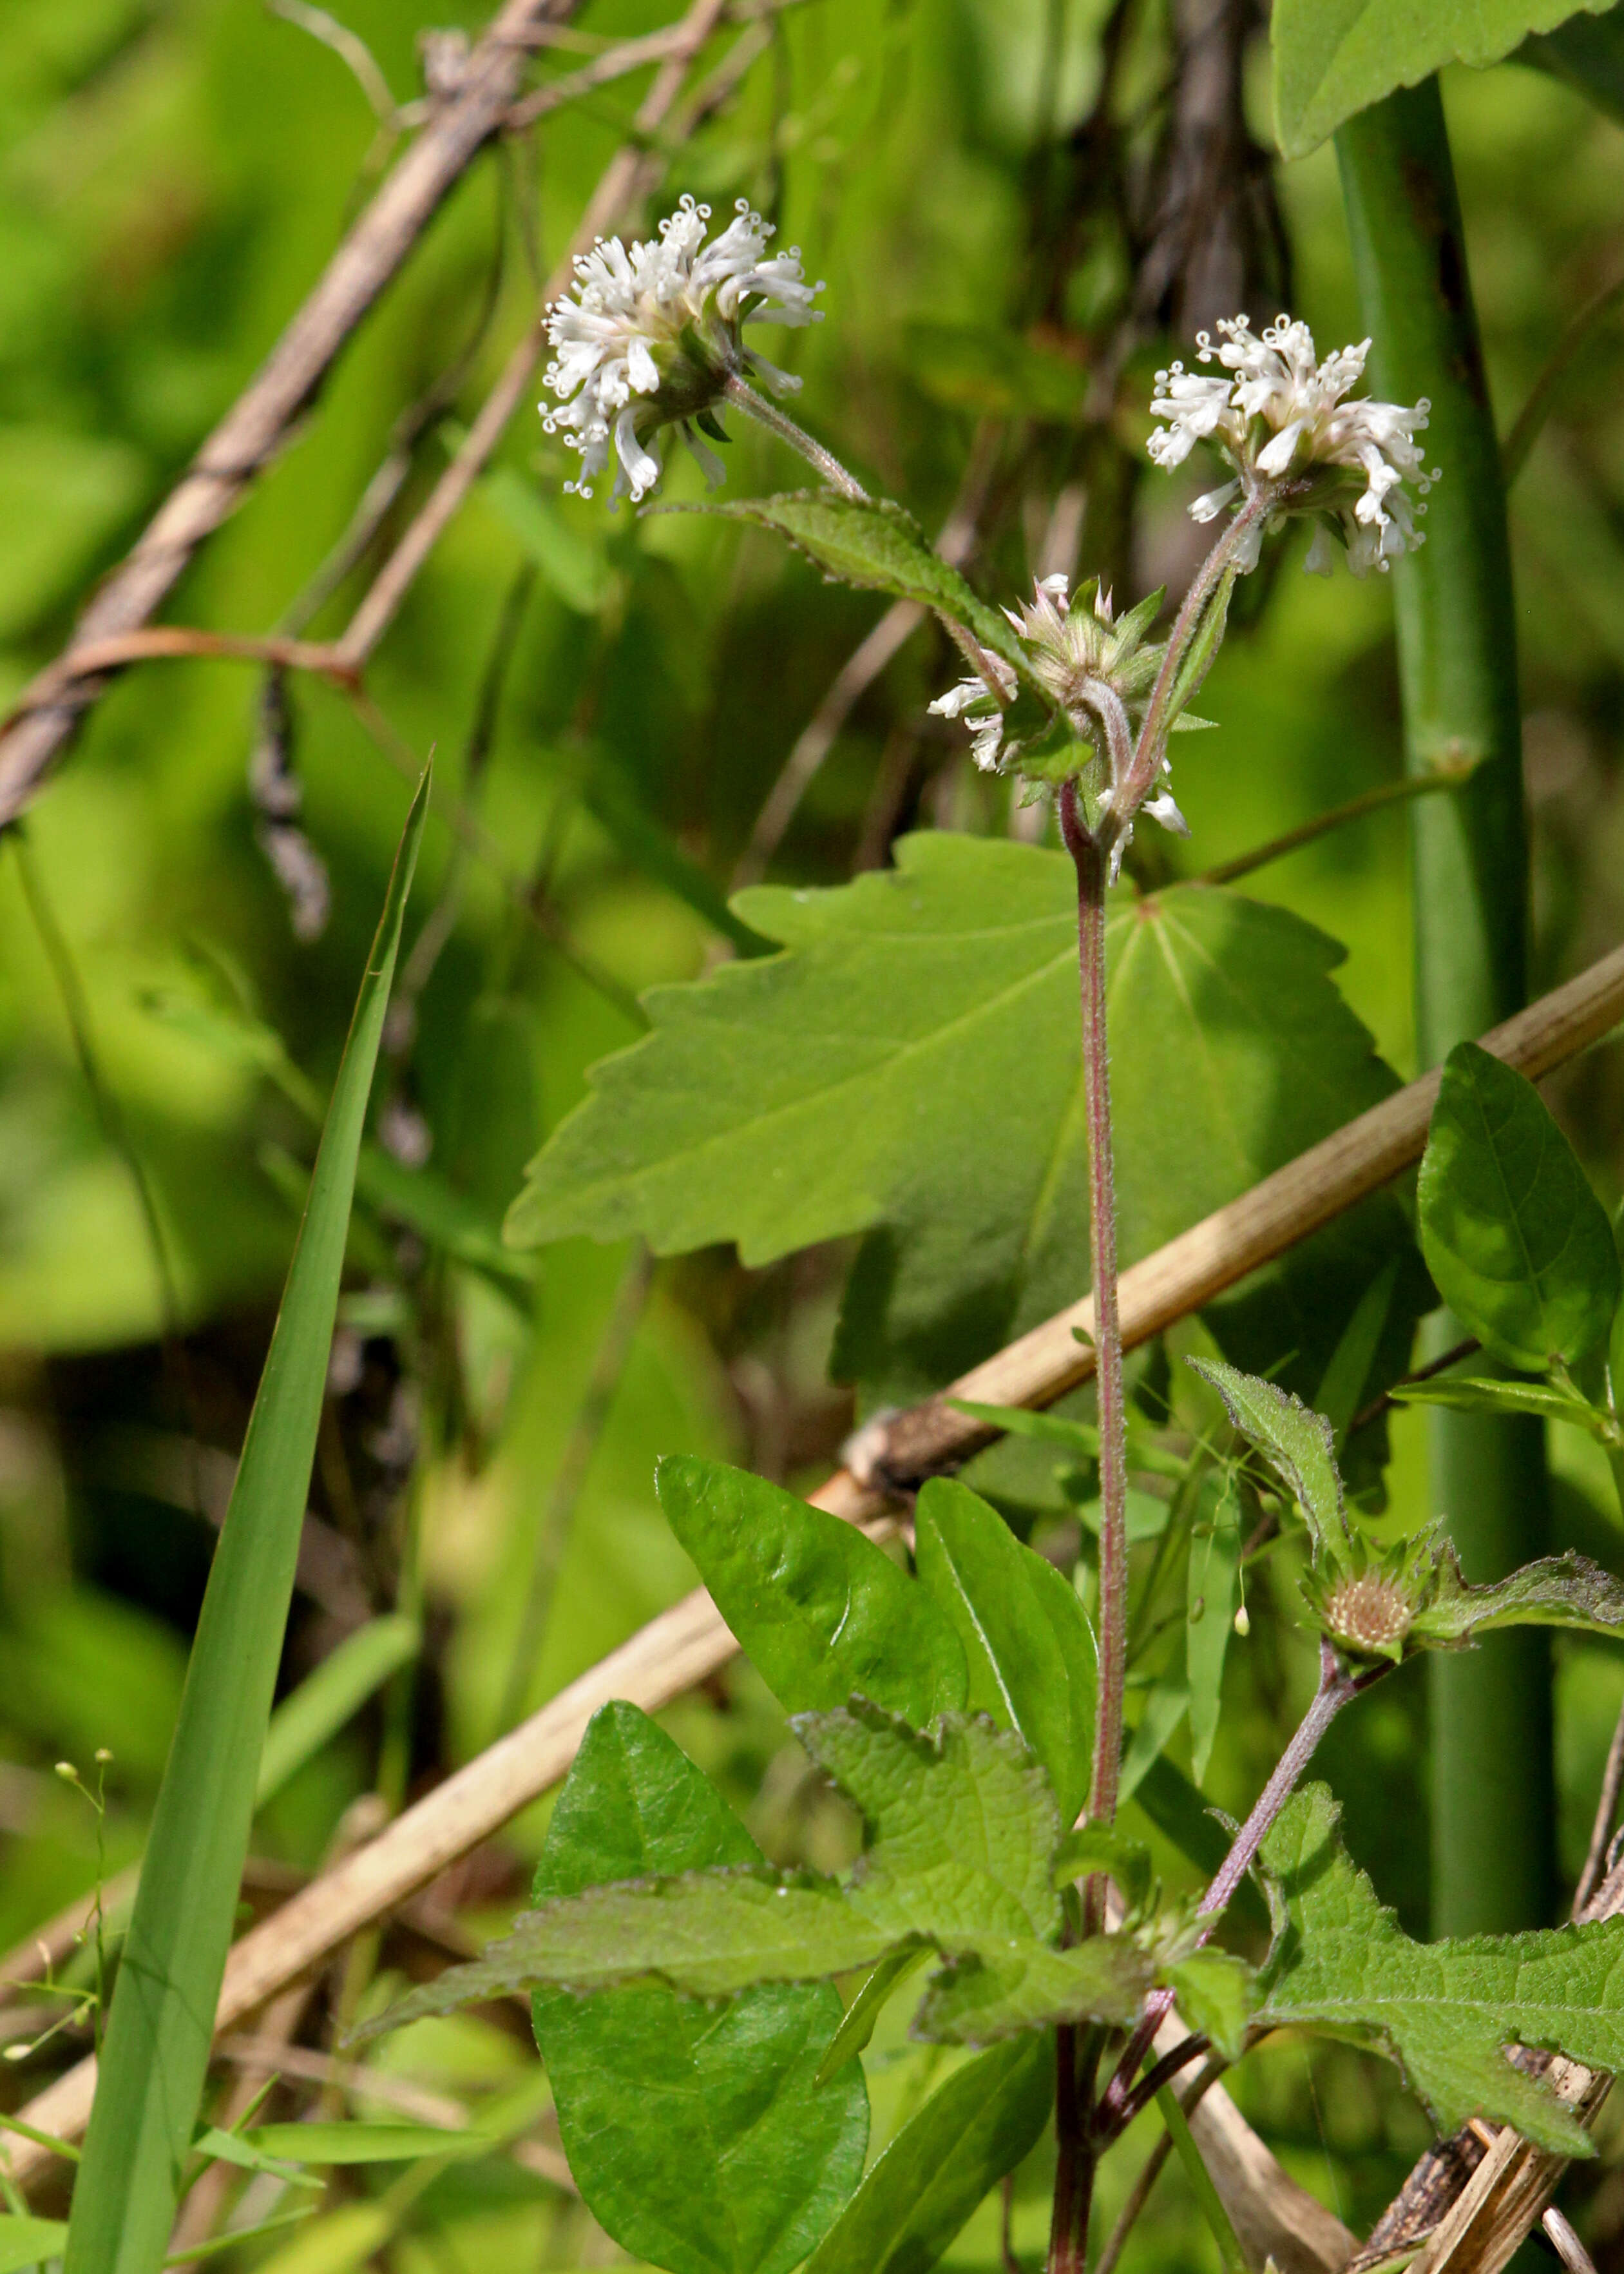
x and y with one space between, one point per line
1519 1246
1557 1590
1333 58
999 1993
1443 2011
823 1613
881 548
1217 1994
922 1025
1025 1633
942 2163
1297 1442
703 2141
962 1825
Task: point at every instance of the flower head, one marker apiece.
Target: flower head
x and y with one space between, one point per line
651 334
1282 417
1089 660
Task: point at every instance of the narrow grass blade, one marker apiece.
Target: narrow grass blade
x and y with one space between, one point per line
162 2011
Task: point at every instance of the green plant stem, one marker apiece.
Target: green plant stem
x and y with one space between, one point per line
1089 858
1493 1830
744 397
1292 840
1204 588
1525 427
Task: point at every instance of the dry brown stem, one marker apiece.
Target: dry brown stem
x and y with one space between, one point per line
689 1642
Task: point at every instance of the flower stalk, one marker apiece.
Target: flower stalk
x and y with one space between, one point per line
743 397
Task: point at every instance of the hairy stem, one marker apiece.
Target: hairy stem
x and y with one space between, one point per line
1075 2157
1089 858
1337 1687
744 397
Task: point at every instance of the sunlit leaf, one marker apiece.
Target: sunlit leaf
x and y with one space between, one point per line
1025 1634
1443 2011
1296 1443
822 1612
705 2141
910 1068
972 2130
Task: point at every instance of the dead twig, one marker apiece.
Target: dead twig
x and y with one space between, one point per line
263 418
623 181
687 1643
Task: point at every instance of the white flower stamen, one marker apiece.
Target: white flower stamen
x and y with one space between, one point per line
650 334
1283 417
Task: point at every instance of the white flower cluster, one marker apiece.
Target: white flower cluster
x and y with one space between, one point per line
651 334
1279 414
1071 645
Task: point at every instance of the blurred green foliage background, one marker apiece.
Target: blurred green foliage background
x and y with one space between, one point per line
611 701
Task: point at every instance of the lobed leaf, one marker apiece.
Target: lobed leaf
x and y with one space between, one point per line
1519 1244
1557 1590
706 2142
823 1613
1297 1442
1023 1632
783 1101
1445 2012
972 2131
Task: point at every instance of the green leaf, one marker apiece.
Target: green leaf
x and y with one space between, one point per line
705 1933
1333 58
159 2029
1164 1709
1217 1994
1209 1609
998 1993
1466 1393
963 1827
1025 1633
1230 2256
705 2142
30 2242
823 1613
348 2142
876 546
1557 1590
1081 1438
1443 2011
1519 1244
857 2026
953 978
1099 1847
976 2127
1297 1442
331 1696
964 1834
